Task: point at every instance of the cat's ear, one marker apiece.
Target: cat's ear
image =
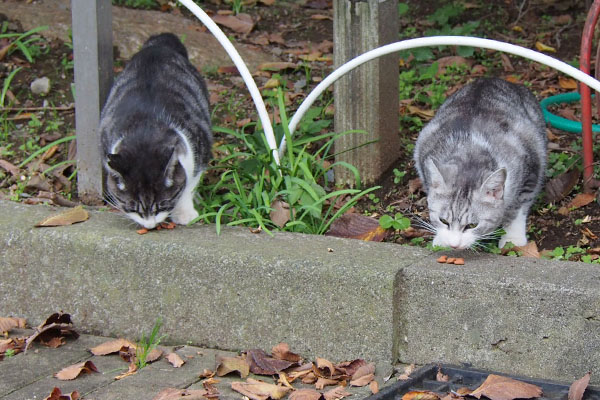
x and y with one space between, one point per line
493 186
436 179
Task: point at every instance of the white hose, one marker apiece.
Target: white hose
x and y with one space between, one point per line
434 41
244 72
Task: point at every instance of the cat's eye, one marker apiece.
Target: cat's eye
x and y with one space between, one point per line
445 222
471 226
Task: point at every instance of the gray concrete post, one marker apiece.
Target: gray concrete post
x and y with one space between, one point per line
93 56
367 97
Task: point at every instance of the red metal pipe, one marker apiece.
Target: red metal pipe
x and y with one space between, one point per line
586 96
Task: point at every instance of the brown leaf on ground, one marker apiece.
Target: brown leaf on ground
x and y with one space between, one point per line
241 23
324 364
559 187
506 63
276 66
420 395
58 325
497 387
425 115
127 353
322 382
336 393
10 168
9 323
130 371
207 373
56 394
305 394
284 380
367 369
363 380
350 367
175 360
69 217
54 342
73 371
357 226
14 344
257 390
174 394
529 250
582 199
309 378
280 214
227 365
567 83
282 352
409 369
112 346
263 364
441 377
414 185
374 387
154 355
449 61
578 387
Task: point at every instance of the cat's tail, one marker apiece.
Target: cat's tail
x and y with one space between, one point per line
168 40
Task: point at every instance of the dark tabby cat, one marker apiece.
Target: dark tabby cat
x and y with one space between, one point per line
482 161
156 134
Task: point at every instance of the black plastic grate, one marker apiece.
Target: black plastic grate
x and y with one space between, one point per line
424 379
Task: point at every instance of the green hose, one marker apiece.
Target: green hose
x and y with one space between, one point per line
560 122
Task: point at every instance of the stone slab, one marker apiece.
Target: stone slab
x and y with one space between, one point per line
324 296
530 317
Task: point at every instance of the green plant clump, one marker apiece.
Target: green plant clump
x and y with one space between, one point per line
297 196
147 344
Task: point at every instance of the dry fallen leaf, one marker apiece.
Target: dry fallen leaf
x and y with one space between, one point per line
420 395
9 323
257 390
542 47
71 372
374 387
357 226
112 346
154 355
529 250
276 66
322 382
263 364
280 214
363 380
69 217
324 364
582 199
175 394
336 393
226 365
175 360
567 83
58 395
497 387
578 387
350 367
367 369
559 187
419 112
305 394
130 371
241 23
441 377
282 352
409 369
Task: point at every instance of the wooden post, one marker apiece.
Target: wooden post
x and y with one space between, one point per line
93 56
367 97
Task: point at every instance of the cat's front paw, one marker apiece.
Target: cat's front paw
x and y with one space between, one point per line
183 216
517 240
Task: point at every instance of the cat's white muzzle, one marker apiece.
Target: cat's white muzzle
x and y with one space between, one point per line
454 239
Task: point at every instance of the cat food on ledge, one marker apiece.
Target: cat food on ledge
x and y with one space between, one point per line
162 225
451 260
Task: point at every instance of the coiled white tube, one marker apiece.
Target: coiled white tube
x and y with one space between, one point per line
244 72
434 41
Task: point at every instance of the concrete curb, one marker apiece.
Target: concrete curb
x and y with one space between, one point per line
378 301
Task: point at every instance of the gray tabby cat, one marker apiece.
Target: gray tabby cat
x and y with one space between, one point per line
482 161
156 134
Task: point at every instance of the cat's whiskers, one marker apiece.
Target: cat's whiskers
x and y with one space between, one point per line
421 223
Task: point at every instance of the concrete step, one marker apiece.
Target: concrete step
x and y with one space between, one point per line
327 297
